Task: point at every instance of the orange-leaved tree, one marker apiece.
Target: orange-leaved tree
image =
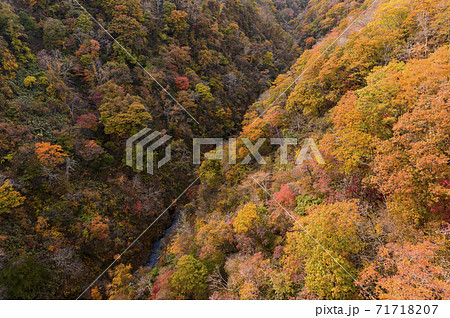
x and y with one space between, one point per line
49 155
407 271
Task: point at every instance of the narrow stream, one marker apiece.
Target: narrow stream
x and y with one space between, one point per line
156 249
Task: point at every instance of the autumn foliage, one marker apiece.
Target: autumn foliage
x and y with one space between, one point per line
407 271
48 154
372 222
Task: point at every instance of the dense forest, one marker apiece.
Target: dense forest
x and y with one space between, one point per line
367 80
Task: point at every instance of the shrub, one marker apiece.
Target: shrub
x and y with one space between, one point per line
29 81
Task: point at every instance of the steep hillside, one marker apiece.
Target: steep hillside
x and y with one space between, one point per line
372 222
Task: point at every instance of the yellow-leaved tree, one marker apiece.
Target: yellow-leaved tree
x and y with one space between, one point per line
9 198
246 218
325 240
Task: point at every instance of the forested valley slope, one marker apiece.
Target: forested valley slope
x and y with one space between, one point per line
368 81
